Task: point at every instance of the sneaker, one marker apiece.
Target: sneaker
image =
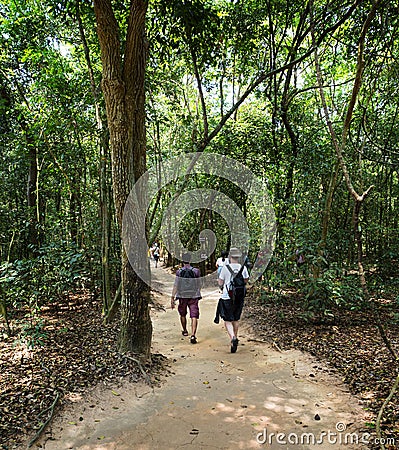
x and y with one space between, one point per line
193 340
234 344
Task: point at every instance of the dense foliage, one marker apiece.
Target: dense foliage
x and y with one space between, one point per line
237 78
228 77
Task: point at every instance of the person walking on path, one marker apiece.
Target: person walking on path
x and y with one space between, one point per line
222 261
186 290
231 303
156 254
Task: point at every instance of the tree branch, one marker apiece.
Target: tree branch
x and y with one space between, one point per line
205 142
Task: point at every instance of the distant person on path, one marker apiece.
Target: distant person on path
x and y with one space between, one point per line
186 290
155 254
222 261
232 300
247 263
300 259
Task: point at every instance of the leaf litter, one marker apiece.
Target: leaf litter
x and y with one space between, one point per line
348 342
77 352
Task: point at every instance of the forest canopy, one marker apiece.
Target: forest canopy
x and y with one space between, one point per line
236 78
92 94
303 94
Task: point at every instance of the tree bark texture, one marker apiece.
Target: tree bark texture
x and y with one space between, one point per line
123 89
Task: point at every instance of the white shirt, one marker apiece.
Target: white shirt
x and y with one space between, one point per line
225 275
221 263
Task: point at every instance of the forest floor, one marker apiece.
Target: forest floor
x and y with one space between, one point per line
349 343
57 361
102 400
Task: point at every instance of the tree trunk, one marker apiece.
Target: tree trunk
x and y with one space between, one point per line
123 88
75 208
105 196
33 238
326 219
105 230
339 148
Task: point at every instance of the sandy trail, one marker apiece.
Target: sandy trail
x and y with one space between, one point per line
214 399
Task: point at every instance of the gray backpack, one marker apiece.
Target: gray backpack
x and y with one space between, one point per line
188 283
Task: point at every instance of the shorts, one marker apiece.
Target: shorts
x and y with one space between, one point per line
191 304
230 311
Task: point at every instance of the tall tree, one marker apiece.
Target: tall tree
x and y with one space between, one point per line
104 186
123 66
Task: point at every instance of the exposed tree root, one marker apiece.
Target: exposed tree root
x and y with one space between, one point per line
42 428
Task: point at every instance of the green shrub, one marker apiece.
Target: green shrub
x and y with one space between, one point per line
56 270
328 291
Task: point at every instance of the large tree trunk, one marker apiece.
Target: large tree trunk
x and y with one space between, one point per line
123 88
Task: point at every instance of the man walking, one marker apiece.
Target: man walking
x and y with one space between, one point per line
232 300
186 290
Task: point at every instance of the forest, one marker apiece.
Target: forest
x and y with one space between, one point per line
94 94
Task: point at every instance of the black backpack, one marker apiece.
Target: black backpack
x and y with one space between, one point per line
236 287
188 284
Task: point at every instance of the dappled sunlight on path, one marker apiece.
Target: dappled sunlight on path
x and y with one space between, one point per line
218 400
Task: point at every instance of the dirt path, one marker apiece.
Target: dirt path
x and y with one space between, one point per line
214 399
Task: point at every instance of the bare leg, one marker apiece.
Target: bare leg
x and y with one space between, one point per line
194 325
183 321
235 327
229 328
